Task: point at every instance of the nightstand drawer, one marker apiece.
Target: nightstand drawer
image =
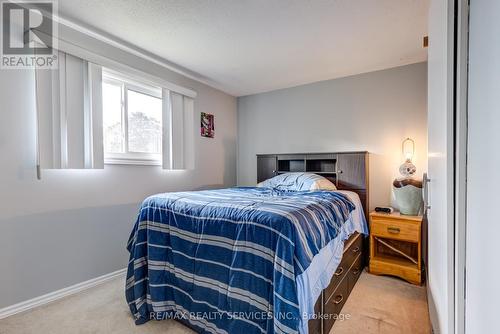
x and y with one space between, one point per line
396 230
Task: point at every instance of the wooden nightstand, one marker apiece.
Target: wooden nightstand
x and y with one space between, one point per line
396 246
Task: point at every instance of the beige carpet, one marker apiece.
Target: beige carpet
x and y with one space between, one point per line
380 304
376 305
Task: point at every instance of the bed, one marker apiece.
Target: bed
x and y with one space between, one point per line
246 259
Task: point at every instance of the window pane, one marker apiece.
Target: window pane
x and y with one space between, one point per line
112 118
144 123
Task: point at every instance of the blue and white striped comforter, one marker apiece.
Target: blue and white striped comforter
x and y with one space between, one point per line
226 261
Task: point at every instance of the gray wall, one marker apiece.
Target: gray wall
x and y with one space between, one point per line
73 224
374 111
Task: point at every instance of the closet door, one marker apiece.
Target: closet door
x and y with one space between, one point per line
266 167
351 169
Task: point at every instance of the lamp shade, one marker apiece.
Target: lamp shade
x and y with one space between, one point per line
408 148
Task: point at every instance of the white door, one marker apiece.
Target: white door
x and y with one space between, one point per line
440 166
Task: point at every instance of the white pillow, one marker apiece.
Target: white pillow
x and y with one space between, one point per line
323 184
298 182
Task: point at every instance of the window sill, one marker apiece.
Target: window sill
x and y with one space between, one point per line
137 162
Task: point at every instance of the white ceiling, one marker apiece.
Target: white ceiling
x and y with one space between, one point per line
245 47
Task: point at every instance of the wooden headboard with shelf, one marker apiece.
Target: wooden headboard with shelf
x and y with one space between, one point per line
347 170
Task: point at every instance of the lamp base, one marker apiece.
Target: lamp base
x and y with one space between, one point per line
408 195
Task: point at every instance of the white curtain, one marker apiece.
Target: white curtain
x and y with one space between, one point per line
69 114
178 131
166 130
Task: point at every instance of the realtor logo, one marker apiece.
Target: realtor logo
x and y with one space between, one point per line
28 35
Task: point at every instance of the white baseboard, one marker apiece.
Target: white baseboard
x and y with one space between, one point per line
53 296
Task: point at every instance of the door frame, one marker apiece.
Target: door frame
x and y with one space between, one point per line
460 177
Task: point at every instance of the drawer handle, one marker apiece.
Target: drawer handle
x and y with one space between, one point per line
338 299
355 250
339 271
355 272
394 230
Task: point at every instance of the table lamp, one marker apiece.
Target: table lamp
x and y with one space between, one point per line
408 190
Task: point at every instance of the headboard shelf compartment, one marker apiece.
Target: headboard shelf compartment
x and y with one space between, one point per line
291 165
321 166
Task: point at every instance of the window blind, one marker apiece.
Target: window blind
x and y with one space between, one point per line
69 115
178 131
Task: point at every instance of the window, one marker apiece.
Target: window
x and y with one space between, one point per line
132 121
